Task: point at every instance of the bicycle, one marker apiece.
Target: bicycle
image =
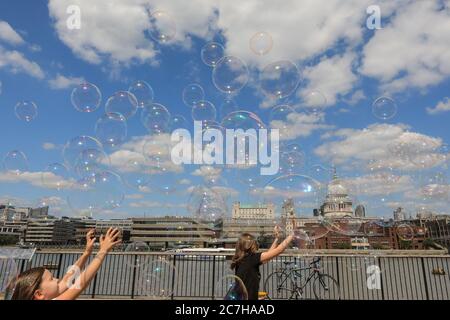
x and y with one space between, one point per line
291 282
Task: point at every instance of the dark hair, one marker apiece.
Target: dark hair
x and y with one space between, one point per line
27 283
244 246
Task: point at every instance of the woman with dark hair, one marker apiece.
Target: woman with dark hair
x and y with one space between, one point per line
39 283
247 259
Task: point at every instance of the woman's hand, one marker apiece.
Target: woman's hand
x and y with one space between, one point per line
90 240
108 241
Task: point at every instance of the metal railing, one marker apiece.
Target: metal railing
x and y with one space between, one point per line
198 276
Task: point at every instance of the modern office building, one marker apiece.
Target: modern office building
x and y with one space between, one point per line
172 231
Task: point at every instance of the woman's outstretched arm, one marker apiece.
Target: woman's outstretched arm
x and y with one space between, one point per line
272 253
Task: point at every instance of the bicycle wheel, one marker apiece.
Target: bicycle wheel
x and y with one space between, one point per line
326 288
279 285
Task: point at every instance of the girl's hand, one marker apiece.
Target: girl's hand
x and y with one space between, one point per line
90 240
108 241
276 231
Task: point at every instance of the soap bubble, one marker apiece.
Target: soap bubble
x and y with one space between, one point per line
26 111
230 287
261 43
230 74
73 148
135 254
90 162
9 273
56 176
177 121
143 93
206 205
86 97
211 53
156 118
111 129
242 120
405 232
280 79
314 101
162 27
192 94
122 102
384 108
134 173
16 162
227 107
204 110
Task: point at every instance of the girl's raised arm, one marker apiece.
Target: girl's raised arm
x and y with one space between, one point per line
107 242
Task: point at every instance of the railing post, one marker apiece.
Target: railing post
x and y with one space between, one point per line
59 265
134 276
173 275
94 285
425 278
214 277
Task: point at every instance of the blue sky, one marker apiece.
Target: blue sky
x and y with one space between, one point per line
42 60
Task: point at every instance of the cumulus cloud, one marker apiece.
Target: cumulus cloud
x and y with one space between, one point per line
298 124
207 171
150 152
383 146
37 179
442 106
48 146
410 51
15 62
333 77
9 35
63 82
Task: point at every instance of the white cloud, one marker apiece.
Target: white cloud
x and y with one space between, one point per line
185 181
383 146
48 146
155 204
356 97
412 50
145 150
8 35
63 82
105 30
134 196
333 77
207 171
37 179
299 125
442 106
15 62
35 48
145 189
